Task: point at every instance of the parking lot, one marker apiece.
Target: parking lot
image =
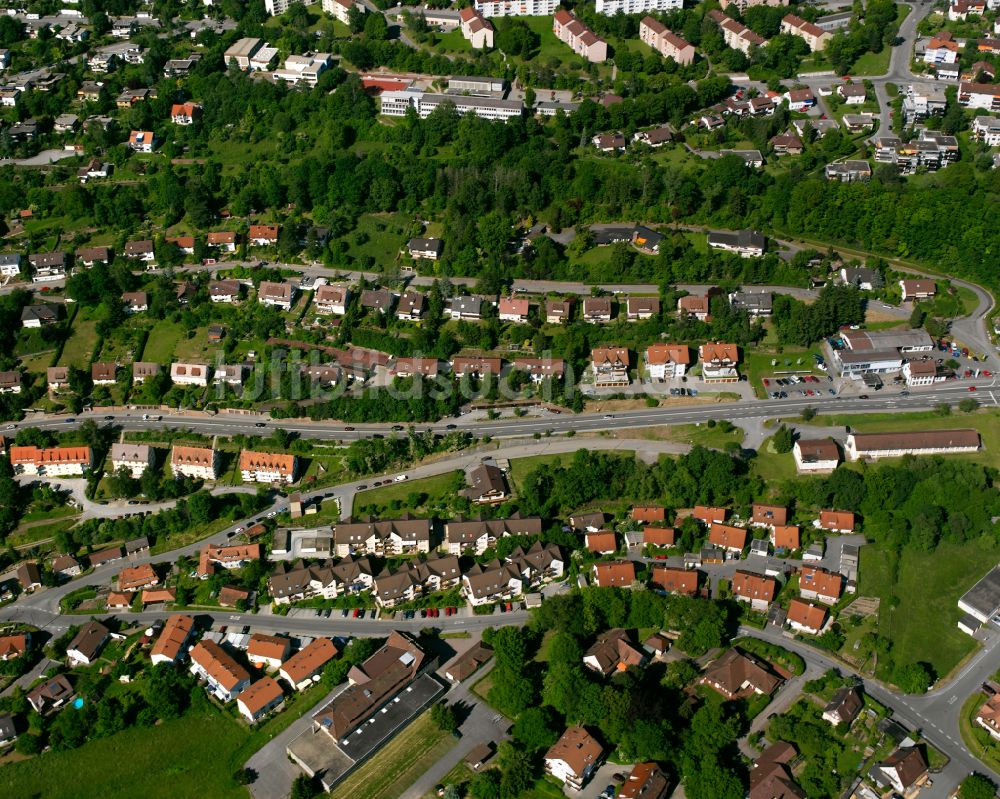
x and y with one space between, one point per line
799 386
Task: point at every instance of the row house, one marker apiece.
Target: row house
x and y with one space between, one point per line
581 39
289 584
813 35
172 642
475 366
189 374
387 537
225 678
305 666
267 467
665 42
479 535
260 699
491 582
610 8
415 578
268 651
51 462
736 35
199 463
821 585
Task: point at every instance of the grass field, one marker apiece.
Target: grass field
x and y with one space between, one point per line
520 468
924 627
386 235
703 435
80 344
162 341
196 348
175 759
438 488
39 532
773 466
394 768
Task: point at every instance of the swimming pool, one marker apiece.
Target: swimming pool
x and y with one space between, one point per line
78 702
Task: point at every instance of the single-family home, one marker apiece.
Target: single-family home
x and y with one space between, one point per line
278 295
667 361
263 235
87 643
574 757
757 590
610 366
821 585
331 299
613 651
805 617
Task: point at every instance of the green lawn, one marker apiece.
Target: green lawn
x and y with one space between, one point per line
80 344
773 466
438 489
162 341
181 758
520 468
40 532
702 435
924 627
380 236
197 347
396 766
878 63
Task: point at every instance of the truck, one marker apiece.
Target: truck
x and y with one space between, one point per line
150 418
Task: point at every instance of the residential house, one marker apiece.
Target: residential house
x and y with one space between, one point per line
88 256
47 266
331 299
231 556
737 674
756 590
844 706
141 250
673 580
805 617
641 308
786 144
183 243
659 536
799 99
665 42
487 485
602 542
667 361
756 303
836 521
918 289
491 582
409 367
36 316
10 382
719 362
770 775
103 374
189 374
581 39
558 312
224 240
142 141
852 93
377 300
136 578
905 769
278 295
10 264
816 455
617 574
263 235
227 291
268 651
768 515
65 566
306 665
745 243
226 679
201 463
87 644
610 366
184 113
609 142
514 309
229 374
467 308
541 369
51 694
14 646
588 522
430 249
648 514
695 306
29 576
848 171
136 458
821 585
411 306
597 310
646 780
136 301
613 651
574 758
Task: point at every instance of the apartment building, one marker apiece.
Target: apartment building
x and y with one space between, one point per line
267 467
134 457
665 42
51 462
200 463
580 39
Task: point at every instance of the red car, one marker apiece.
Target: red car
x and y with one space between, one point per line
509 606
987 373
972 388
767 382
357 612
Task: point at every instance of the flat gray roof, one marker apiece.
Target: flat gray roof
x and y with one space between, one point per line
984 597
